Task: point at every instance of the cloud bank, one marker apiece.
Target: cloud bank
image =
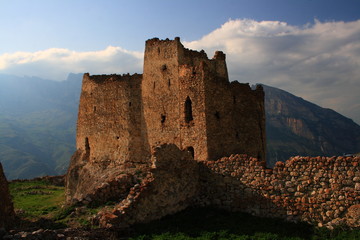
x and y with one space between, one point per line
319 62
57 63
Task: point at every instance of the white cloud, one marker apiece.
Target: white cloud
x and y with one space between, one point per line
57 63
319 62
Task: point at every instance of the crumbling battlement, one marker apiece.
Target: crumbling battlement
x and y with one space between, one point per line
103 78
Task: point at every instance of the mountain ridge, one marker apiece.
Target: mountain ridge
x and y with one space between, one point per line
38 126
292 120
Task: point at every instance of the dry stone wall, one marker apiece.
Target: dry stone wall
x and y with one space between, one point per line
319 190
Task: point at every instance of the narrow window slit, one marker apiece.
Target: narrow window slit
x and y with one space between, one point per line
188 110
163 118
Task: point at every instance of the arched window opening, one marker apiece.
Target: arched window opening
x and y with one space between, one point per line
188 110
94 108
87 145
234 99
191 150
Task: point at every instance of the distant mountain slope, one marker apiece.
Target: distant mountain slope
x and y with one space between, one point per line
37 124
297 127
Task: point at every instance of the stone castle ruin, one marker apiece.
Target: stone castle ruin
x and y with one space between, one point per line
181 134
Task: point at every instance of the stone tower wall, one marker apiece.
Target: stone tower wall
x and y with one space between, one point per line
173 78
109 120
235 115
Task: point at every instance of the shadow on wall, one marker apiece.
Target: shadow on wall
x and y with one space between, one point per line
227 192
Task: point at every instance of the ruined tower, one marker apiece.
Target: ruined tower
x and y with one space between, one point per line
189 101
182 98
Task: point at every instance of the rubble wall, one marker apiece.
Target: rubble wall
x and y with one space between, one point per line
318 190
169 187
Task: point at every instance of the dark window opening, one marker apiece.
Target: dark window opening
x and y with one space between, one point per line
234 99
217 115
191 150
94 108
117 137
129 104
169 83
237 135
163 118
87 145
163 67
158 51
188 110
154 86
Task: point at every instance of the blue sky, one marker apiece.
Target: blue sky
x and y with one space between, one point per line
310 48
95 24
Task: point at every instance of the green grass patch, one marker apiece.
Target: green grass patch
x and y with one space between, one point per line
36 199
42 203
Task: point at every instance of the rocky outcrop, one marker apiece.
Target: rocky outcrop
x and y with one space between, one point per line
6 207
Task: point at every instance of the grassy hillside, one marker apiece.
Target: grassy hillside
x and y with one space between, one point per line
40 205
